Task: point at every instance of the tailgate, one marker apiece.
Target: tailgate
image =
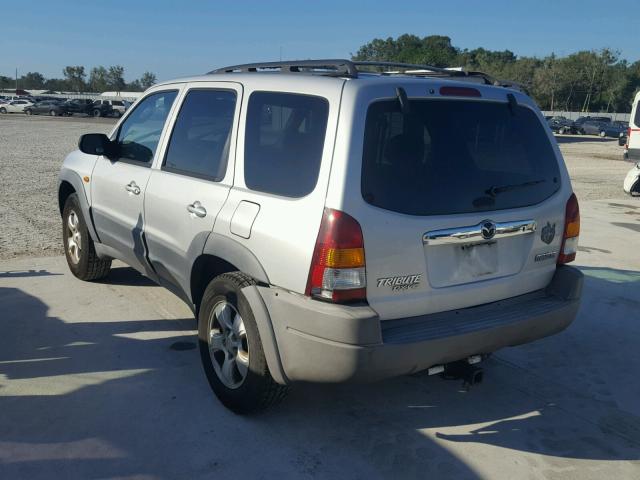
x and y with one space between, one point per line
464 204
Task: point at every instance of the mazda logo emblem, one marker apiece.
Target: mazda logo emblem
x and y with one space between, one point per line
488 229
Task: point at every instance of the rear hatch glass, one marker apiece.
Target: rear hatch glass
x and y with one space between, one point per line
456 156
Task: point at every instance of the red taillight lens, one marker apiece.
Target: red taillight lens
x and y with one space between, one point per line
571 232
337 270
460 91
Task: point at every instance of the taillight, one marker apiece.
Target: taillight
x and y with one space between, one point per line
571 231
337 270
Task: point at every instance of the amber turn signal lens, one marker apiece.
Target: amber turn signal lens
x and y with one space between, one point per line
343 257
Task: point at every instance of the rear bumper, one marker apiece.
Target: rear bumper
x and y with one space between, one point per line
319 342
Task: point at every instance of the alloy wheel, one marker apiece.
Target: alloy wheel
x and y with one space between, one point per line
74 239
228 345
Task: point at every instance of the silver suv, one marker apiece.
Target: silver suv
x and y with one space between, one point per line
327 223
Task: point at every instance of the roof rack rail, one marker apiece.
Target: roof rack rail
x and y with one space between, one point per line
332 67
411 66
349 68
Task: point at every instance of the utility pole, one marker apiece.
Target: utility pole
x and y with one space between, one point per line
16 81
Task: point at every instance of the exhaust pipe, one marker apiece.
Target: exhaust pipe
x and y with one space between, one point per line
462 369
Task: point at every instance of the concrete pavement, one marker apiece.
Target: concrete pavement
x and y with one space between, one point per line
103 380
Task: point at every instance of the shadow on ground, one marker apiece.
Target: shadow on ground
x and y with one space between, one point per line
584 138
100 399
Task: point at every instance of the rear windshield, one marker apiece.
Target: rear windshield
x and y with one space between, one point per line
455 156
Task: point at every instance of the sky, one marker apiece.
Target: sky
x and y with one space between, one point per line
181 38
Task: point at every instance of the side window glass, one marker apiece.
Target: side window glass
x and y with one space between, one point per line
199 143
284 141
139 134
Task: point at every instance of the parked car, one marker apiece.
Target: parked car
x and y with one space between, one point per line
593 127
581 120
117 106
632 146
411 238
631 183
15 106
87 106
561 125
46 107
613 129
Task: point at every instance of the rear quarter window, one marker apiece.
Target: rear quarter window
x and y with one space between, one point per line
284 140
455 156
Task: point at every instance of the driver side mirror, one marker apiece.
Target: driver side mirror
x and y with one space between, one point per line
98 144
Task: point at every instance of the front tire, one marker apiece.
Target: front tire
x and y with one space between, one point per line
28 112
231 350
97 113
81 254
3 110
603 134
53 113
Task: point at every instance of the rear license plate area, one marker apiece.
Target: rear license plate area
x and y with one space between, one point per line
477 259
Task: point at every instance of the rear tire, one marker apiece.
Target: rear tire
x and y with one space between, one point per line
28 112
603 134
79 250
3 110
97 113
53 113
231 349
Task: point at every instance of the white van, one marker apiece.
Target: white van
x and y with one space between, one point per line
631 183
632 148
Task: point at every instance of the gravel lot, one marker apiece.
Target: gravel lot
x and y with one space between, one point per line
32 149
31 152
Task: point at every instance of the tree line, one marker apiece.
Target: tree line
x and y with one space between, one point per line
587 81
75 79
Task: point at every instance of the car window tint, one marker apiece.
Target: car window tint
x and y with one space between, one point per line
636 118
201 136
139 134
455 156
284 141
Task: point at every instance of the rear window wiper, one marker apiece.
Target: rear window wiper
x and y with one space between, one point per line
493 191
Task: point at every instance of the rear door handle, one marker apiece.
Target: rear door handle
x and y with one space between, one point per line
132 187
197 209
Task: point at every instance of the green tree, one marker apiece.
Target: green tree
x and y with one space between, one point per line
6 82
147 80
33 80
433 50
115 78
75 75
98 79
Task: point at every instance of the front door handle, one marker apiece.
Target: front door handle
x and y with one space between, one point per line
197 209
132 187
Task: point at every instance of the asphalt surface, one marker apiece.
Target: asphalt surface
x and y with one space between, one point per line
102 380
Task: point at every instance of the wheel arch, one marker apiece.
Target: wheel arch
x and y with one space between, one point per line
222 254
69 182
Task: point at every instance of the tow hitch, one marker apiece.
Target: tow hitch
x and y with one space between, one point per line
467 370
